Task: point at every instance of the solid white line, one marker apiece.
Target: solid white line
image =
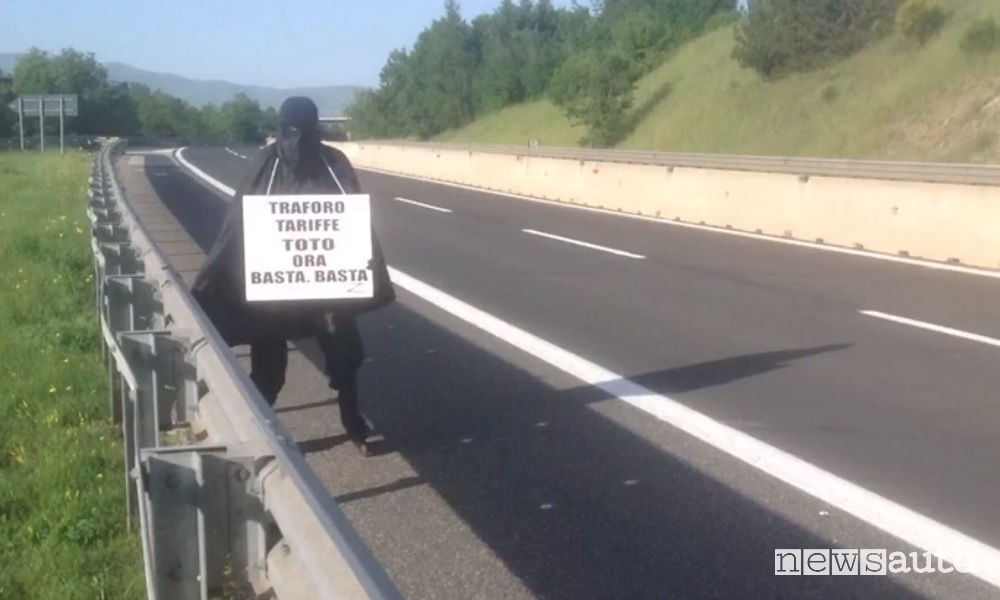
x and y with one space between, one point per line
225 189
916 262
560 238
975 337
893 518
884 514
421 204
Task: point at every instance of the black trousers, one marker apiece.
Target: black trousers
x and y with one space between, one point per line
343 353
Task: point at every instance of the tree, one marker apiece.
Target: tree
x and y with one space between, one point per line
162 114
270 120
8 118
366 114
104 107
457 71
443 61
213 124
642 37
244 119
596 90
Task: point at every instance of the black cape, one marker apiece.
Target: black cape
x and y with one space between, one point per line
219 286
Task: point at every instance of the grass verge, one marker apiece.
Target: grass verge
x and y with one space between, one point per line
62 521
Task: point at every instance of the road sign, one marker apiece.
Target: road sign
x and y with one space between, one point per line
51 102
40 105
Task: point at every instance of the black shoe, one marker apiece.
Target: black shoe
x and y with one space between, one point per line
357 430
363 448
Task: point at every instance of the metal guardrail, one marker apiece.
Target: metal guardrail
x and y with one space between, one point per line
225 503
969 174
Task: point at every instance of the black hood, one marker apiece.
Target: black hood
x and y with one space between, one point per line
299 141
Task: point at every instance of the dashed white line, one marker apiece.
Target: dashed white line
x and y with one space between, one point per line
891 517
966 335
422 204
237 154
567 240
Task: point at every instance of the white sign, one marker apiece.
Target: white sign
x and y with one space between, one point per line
307 247
31 105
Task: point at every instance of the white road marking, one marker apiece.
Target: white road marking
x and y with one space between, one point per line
876 510
422 205
235 153
893 518
975 337
560 238
916 262
225 189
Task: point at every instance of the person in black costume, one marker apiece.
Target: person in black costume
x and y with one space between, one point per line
297 163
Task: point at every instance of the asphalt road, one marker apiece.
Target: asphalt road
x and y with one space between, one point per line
501 476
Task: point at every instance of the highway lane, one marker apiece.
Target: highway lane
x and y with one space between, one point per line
761 336
775 332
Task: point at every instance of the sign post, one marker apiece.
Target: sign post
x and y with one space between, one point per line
52 105
307 247
20 120
62 118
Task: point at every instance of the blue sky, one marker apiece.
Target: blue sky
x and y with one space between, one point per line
266 42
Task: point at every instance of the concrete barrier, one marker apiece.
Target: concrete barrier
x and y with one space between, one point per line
941 221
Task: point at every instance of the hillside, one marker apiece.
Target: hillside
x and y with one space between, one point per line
331 100
893 100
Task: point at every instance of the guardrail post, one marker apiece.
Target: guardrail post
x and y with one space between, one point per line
128 303
119 258
188 392
127 411
204 513
131 303
152 357
147 398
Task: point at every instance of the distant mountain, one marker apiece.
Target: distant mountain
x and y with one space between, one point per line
331 100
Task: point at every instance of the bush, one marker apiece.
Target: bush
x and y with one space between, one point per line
782 36
881 28
982 37
920 20
596 90
722 19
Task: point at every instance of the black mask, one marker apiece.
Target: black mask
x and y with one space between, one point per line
299 142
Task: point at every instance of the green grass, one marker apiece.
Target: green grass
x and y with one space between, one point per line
893 100
518 125
62 520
